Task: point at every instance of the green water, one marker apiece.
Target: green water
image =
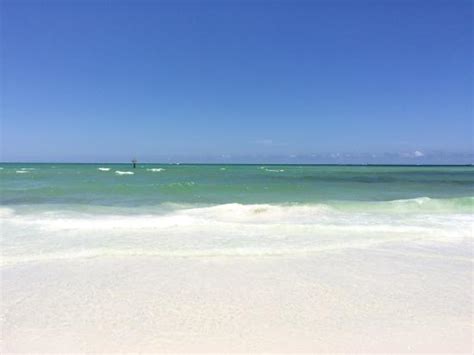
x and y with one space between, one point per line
84 184
70 211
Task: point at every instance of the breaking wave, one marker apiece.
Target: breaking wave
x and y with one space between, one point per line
46 233
118 172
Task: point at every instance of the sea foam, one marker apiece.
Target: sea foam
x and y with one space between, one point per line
224 230
103 169
118 172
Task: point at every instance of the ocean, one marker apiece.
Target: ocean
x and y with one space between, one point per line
236 257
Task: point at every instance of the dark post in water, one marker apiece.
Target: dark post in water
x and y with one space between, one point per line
134 163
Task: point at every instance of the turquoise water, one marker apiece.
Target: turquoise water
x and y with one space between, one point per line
71 211
153 185
96 251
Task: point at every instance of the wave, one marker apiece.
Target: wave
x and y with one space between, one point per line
118 172
6 212
155 170
271 170
184 184
275 170
414 205
420 205
173 230
25 170
338 213
103 169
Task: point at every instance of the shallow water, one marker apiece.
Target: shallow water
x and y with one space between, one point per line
65 211
387 249
152 185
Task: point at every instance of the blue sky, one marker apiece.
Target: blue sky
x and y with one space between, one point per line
237 81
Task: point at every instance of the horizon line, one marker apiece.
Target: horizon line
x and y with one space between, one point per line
260 163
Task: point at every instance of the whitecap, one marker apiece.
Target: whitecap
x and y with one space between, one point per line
103 169
118 172
22 171
275 170
155 169
6 212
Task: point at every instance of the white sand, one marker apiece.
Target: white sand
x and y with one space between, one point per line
347 301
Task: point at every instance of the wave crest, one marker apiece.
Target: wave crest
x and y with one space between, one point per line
232 230
118 172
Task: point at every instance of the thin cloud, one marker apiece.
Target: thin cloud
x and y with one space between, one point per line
415 154
266 142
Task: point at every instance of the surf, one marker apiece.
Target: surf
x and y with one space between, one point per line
118 172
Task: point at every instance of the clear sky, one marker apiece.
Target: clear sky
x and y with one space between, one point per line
255 81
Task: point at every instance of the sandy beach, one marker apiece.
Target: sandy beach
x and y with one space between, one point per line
336 302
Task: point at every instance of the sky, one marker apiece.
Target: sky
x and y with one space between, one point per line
237 81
